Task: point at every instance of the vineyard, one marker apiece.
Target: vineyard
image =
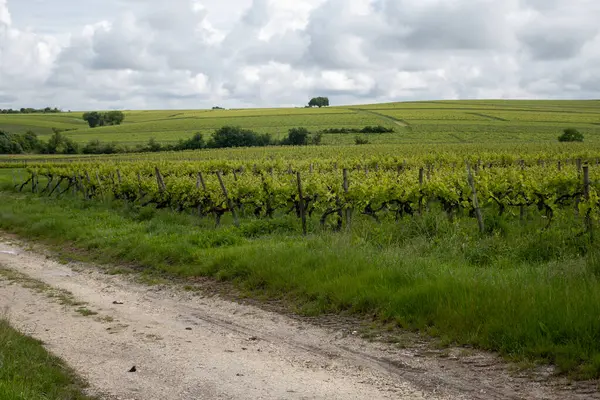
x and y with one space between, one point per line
332 191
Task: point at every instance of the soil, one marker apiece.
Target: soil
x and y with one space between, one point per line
198 345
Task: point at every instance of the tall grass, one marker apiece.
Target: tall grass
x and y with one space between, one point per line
525 292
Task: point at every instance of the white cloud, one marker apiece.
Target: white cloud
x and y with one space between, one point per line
5 18
197 53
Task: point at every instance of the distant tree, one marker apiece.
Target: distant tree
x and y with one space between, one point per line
17 143
8 144
29 110
297 137
114 118
30 142
319 102
60 144
571 135
95 118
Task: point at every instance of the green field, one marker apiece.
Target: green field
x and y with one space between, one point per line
415 122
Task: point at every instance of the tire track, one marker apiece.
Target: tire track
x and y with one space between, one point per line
384 117
488 117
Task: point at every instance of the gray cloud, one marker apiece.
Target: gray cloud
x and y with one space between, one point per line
198 53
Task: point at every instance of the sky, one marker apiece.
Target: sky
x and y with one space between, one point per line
188 54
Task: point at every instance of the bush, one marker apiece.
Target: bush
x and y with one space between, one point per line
8 144
196 142
98 147
571 135
297 137
316 138
361 140
376 129
153 146
14 143
60 144
366 129
235 136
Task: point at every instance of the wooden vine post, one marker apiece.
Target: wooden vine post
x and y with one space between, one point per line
159 180
228 200
301 203
140 190
87 177
579 164
347 210
421 172
75 184
478 213
522 207
586 194
201 184
100 184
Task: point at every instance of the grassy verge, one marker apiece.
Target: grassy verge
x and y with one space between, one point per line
527 293
28 372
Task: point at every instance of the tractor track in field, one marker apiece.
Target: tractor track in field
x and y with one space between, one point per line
192 345
488 117
387 118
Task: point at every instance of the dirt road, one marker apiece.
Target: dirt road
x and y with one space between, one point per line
186 346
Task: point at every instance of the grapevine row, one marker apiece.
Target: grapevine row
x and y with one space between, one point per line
264 192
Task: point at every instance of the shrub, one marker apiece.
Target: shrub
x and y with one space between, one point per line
361 140
194 143
571 135
316 138
297 137
60 144
376 129
97 147
235 136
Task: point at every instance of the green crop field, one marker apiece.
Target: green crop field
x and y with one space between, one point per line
414 122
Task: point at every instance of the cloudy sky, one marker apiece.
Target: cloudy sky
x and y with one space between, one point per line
157 54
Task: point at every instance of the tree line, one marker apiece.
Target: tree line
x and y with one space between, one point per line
227 136
47 110
28 142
